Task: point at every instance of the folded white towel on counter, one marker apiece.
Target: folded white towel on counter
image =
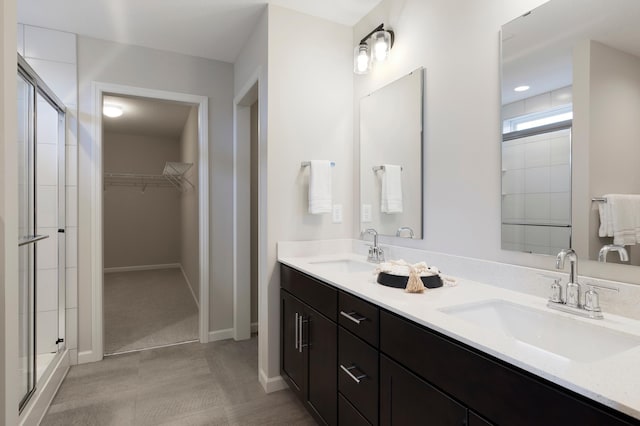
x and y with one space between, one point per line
620 218
320 187
391 197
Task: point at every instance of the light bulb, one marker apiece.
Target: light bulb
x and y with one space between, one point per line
361 60
380 50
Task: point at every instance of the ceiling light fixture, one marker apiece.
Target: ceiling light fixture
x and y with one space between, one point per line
521 89
373 48
112 111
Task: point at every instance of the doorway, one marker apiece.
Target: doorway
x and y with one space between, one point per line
177 176
150 205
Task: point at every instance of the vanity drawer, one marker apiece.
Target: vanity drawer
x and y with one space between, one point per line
359 317
314 293
499 393
358 374
348 415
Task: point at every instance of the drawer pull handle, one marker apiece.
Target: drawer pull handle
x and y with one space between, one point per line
351 316
348 371
297 334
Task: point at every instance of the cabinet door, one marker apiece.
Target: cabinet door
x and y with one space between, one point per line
293 357
320 337
405 399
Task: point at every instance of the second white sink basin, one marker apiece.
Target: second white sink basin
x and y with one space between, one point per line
569 338
344 265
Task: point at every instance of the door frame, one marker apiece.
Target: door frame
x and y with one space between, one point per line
242 326
99 89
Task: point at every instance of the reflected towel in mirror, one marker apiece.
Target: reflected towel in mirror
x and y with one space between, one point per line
620 218
391 197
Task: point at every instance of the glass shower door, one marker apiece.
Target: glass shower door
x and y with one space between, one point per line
26 231
41 230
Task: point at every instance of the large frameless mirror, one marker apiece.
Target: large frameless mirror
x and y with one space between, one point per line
391 158
570 108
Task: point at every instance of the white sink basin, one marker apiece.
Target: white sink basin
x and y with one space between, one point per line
344 266
569 338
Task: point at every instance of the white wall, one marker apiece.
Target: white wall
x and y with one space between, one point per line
8 216
189 255
109 62
310 117
140 228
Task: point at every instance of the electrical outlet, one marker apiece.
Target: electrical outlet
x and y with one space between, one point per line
337 213
365 215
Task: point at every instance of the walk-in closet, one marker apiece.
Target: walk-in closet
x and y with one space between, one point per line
151 266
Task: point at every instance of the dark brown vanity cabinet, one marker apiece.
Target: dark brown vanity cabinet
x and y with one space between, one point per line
309 343
354 363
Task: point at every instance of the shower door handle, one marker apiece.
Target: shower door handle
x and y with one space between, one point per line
32 239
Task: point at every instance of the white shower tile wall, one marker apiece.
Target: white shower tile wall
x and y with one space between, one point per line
53 55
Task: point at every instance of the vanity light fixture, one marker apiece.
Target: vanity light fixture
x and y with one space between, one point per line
373 48
112 111
521 88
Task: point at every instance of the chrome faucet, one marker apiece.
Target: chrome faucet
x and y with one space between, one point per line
573 288
571 303
622 252
376 254
403 229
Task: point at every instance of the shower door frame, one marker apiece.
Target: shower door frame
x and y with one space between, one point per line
40 88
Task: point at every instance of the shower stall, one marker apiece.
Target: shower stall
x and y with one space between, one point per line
41 229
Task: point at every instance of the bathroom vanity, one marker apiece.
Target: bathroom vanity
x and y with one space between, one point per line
358 353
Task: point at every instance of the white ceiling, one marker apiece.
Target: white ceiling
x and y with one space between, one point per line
214 29
147 117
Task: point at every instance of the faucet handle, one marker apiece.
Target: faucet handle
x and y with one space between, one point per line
591 298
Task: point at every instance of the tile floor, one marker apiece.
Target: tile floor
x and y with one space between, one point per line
188 384
145 309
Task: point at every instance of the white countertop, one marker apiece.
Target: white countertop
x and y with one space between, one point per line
612 381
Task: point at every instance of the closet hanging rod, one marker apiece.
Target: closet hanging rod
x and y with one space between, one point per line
308 164
378 168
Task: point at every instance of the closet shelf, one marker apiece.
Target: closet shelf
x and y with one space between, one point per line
173 176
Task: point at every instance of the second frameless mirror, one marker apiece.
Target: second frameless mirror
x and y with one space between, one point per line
391 158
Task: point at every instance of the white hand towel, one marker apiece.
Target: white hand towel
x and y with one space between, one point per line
391 197
625 218
606 219
320 187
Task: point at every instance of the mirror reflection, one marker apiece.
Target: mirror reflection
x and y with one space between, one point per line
571 134
391 158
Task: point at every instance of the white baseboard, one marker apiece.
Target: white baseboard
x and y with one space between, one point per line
141 267
184 274
214 336
272 384
45 393
85 357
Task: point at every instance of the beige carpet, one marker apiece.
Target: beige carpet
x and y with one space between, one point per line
144 309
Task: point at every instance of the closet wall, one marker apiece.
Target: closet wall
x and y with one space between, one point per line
141 227
189 207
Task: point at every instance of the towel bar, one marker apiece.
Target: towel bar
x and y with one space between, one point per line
378 168
599 200
308 163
